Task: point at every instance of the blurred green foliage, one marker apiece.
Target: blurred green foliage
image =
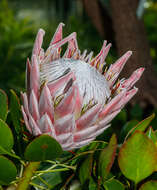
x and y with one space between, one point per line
15 43
150 18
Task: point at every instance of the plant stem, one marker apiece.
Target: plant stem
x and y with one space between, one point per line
27 175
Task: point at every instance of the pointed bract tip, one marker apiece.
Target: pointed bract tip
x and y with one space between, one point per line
61 24
138 73
140 70
41 31
132 92
129 53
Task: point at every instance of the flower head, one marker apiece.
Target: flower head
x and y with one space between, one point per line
73 97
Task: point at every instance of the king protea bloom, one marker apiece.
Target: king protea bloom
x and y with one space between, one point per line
73 97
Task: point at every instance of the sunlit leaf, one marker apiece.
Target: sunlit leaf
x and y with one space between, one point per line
137 157
150 185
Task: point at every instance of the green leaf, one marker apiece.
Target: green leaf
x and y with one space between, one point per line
151 134
107 157
8 171
141 126
3 105
150 185
126 128
43 148
6 138
113 184
15 111
86 169
137 157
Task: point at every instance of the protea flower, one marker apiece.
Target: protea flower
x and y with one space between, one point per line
73 97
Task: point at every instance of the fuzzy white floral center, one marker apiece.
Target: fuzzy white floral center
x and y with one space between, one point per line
92 84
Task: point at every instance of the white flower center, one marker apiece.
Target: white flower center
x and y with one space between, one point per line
91 83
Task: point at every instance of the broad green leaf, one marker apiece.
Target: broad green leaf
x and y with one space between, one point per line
126 128
150 185
113 184
107 157
8 171
141 126
43 148
86 169
137 157
15 111
151 134
3 105
6 138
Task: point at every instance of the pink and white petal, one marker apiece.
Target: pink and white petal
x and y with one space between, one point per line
38 42
35 128
136 75
63 41
46 126
109 108
46 103
58 34
67 104
25 102
115 69
125 99
67 145
83 55
57 84
65 124
41 55
79 144
26 120
35 76
64 138
33 106
99 131
88 118
78 104
88 58
76 55
94 60
72 47
90 132
108 119
101 56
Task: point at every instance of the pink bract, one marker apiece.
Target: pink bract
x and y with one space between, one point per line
73 97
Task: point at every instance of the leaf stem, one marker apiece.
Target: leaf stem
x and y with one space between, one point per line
27 175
